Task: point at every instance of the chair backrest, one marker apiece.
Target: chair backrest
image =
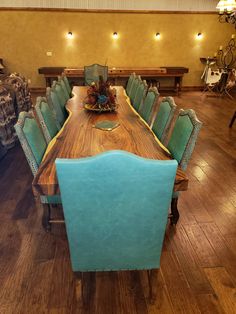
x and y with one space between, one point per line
129 83
163 118
149 104
67 84
64 88
115 206
136 82
32 140
53 101
140 94
46 119
212 76
92 73
56 86
184 136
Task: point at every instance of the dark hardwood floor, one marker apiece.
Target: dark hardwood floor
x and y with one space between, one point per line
198 264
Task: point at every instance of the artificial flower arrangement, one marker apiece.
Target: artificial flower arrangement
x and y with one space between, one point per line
101 97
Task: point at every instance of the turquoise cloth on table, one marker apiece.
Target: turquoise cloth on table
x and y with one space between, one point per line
115 206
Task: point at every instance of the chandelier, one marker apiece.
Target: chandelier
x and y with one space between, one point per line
227 11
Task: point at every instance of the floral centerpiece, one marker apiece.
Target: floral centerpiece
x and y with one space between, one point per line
100 97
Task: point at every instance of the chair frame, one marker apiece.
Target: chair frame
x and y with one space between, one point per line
64 78
193 137
50 103
60 80
44 128
154 90
174 217
139 80
80 271
131 79
104 67
144 83
46 218
173 106
24 143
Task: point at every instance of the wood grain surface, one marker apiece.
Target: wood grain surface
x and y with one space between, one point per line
80 138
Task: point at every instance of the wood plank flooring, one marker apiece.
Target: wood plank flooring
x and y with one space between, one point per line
198 264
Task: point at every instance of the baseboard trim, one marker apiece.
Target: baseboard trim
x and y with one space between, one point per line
38 90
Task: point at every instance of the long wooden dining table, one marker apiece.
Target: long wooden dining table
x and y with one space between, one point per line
79 138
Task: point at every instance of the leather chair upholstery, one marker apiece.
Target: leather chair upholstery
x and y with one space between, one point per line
164 118
115 206
93 72
49 125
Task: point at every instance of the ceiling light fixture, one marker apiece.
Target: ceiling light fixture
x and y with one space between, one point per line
227 11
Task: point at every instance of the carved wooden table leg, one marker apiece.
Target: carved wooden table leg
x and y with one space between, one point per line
174 211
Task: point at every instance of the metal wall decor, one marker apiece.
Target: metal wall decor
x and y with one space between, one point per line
226 57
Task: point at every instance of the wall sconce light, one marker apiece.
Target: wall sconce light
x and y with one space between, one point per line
199 36
157 36
115 35
69 35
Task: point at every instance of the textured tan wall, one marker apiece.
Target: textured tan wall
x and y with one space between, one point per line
26 36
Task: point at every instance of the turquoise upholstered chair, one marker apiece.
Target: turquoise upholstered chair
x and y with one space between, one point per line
67 83
34 146
163 118
181 144
46 118
140 94
60 94
129 83
54 104
64 88
149 104
136 83
112 223
92 73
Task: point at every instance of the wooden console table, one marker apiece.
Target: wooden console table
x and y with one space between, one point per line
120 75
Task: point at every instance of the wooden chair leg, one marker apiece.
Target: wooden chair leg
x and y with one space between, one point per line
46 217
79 287
232 120
174 217
152 281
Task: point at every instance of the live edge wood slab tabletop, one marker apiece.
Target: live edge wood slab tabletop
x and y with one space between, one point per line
79 138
